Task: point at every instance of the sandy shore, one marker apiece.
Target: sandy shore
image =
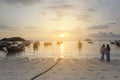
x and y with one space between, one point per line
66 69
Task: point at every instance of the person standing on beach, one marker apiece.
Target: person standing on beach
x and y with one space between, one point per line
108 52
102 51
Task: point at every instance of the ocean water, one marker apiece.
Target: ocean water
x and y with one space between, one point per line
69 49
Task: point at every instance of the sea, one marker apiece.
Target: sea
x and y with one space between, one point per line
69 49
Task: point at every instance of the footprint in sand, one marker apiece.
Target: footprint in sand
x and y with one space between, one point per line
116 76
73 69
82 77
90 70
60 69
66 78
98 73
54 72
104 70
103 77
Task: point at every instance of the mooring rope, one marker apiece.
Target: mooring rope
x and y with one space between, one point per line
58 60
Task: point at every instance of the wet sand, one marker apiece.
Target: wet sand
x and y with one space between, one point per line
66 69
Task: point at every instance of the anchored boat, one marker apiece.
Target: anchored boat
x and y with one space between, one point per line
15 49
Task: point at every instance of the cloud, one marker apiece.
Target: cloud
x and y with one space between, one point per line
59 1
56 19
6 27
31 27
11 28
105 35
98 27
60 31
112 23
60 13
91 10
2 26
61 9
83 17
75 30
65 6
21 2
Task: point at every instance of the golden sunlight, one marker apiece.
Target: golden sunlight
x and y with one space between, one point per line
62 51
62 35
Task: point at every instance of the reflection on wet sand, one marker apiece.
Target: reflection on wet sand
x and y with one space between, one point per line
62 54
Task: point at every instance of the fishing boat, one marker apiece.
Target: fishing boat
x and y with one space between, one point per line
36 45
59 42
112 42
47 43
117 42
90 42
27 43
3 45
79 44
15 49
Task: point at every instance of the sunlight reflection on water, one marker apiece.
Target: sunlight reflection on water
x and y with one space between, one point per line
69 49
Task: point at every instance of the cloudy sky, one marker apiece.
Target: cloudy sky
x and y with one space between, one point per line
47 19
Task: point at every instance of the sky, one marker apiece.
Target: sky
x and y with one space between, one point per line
47 19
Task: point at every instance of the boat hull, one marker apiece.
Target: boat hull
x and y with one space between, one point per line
13 50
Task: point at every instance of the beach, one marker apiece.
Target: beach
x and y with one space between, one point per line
65 69
60 40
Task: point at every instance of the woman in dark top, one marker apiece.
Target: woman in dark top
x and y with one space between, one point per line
102 51
108 52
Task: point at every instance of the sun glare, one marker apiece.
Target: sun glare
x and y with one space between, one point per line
62 35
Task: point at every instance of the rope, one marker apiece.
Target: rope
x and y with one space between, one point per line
46 70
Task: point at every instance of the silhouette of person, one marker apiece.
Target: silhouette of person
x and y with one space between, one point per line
102 51
108 52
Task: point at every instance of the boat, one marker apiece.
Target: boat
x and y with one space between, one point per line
90 42
15 49
36 45
117 42
3 45
79 44
47 43
27 43
112 42
59 42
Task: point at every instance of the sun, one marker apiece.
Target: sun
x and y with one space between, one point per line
62 35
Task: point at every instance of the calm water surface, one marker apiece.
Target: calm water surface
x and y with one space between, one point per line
67 49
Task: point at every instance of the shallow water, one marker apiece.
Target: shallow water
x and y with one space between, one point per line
67 49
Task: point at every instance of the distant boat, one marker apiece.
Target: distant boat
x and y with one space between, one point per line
47 43
59 42
27 43
79 44
36 45
112 42
90 42
117 42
